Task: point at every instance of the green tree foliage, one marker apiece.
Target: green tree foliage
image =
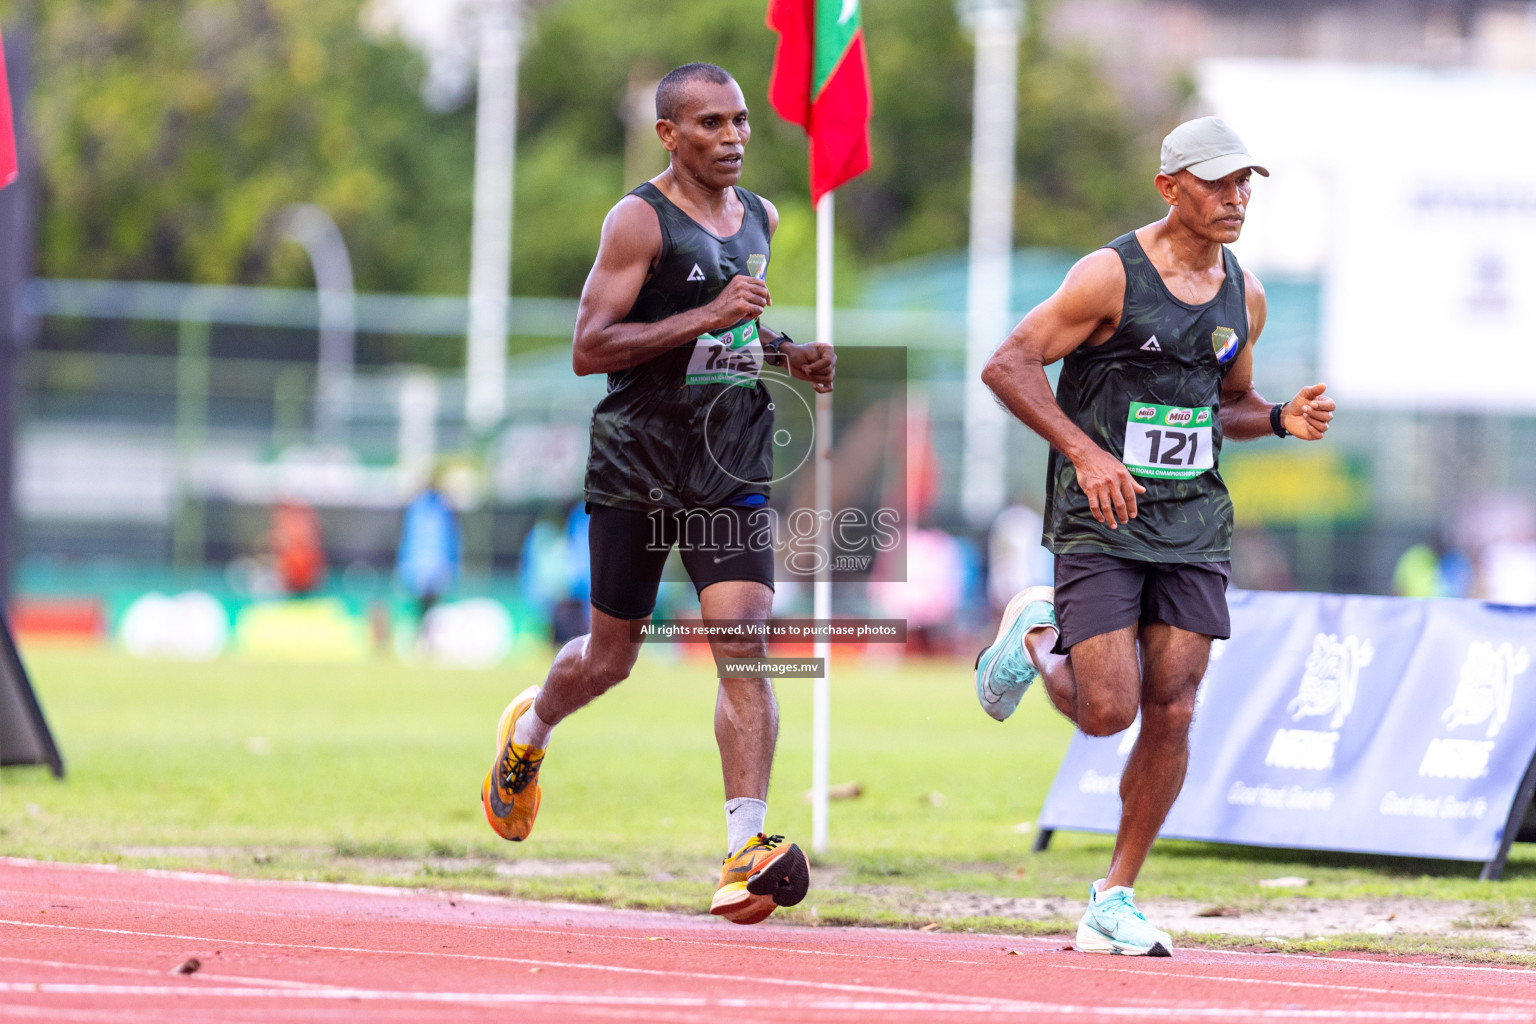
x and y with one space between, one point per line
172 132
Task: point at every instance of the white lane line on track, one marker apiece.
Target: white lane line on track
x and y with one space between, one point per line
525 961
589 911
217 879
156 972
503 928
203 907
729 944
58 1015
822 1003
1055 963
1376 963
1119 972
953 999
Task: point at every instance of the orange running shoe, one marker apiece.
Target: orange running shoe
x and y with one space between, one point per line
760 876
510 794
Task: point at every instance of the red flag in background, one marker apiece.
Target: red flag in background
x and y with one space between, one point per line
7 130
821 82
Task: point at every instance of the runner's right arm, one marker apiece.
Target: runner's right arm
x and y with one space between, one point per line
630 247
1084 310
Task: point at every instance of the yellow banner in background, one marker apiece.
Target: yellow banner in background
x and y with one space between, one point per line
1273 488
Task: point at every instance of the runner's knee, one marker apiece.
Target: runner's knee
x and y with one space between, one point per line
1171 715
1106 719
606 669
740 649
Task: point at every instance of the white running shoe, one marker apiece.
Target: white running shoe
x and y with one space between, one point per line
1112 924
1004 670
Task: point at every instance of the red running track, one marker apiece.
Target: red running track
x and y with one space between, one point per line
87 943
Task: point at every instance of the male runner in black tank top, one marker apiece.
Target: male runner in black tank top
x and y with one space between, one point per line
1157 333
669 313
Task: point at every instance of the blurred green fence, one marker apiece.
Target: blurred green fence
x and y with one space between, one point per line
159 422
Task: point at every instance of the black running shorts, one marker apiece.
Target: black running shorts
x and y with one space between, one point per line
1097 593
630 547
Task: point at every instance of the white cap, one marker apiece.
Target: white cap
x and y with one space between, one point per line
1206 148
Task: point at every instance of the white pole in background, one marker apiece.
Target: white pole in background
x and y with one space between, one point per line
995 26
313 228
490 270
821 605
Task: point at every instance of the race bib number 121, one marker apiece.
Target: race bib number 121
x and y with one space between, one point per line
730 357
1168 442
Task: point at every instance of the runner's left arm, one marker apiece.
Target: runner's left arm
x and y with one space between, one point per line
1244 412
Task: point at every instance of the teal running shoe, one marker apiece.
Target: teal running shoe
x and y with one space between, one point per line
1003 670
1112 924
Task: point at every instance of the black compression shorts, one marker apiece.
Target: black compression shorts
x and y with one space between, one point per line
1098 593
630 547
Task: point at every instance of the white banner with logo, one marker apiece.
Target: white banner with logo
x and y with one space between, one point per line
1370 724
1412 195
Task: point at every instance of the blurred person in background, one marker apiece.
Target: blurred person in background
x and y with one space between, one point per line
427 562
1423 570
1506 571
298 559
1417 572
1499 530
670 312
1016 559
555 575
1157 331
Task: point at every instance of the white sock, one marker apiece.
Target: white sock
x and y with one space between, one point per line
531 729
1103 888
743 819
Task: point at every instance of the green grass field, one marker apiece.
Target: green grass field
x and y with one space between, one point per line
371 773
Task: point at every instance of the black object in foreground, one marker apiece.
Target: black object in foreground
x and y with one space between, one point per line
24 735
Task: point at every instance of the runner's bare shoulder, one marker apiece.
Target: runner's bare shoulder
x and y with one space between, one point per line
1092 296
631 232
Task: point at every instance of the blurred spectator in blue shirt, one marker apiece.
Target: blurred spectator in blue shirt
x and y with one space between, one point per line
428 562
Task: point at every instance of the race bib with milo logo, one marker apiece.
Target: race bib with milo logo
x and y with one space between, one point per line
1167 441
729 357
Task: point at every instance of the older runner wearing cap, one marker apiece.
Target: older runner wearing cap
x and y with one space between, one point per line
1156 331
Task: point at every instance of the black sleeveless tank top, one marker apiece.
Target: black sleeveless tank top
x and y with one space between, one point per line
657 440
1157 380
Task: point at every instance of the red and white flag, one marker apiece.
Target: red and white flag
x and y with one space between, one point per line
821 82
7 130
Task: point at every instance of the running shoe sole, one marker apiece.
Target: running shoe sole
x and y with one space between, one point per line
1091 940
781 882
1005 694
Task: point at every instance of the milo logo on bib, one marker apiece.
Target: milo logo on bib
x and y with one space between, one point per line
1168 442
730 357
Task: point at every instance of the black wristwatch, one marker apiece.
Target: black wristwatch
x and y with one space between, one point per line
1276 420
772 347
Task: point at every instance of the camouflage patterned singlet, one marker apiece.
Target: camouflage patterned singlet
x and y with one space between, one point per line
691 427
1150 396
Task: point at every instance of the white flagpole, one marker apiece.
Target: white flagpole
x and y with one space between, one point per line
490 257
995 25
821 693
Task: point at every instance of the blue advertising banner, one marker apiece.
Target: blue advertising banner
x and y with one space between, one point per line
1365 724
